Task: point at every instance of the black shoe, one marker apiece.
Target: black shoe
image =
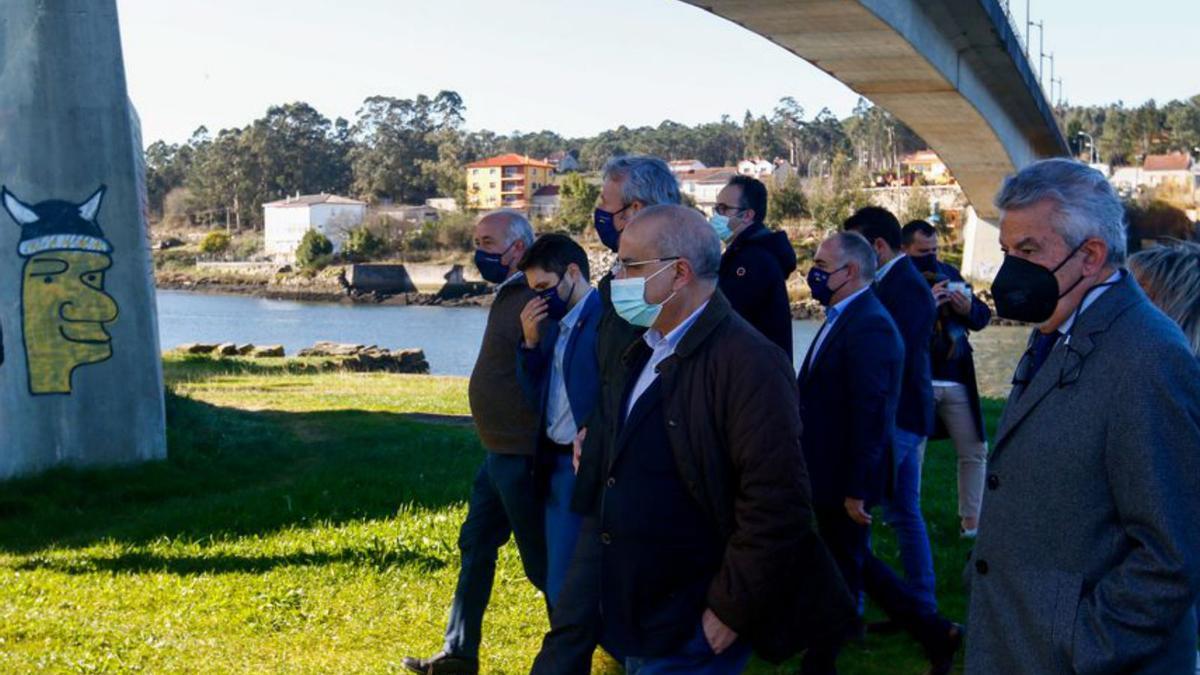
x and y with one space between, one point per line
442 664
941 658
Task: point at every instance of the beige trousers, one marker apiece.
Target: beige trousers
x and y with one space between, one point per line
954 408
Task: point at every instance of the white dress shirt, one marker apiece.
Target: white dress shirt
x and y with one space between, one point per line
663 347
887 267
560 421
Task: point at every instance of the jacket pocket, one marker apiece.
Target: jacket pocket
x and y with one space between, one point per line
1067 597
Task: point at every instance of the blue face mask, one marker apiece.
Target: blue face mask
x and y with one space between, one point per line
491 265
556 307
629 300
818 281
606 228
720 225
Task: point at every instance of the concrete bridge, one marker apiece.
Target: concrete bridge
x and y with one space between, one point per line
952 70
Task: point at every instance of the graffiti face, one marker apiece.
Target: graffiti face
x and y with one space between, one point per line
65 309
64 305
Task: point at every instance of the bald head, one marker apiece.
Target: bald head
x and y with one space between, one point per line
667 231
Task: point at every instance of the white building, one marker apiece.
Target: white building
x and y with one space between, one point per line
545 202
447 204
756 168
703 185
286 221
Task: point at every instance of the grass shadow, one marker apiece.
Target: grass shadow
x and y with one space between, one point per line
380 558
232 472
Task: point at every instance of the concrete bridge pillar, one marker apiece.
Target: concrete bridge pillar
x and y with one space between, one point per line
80 375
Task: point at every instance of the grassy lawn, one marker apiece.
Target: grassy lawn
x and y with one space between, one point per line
305 523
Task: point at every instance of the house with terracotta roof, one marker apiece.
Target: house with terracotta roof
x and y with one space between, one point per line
703 185
286 221
928 165
505 181
678 166
545 202
1176 168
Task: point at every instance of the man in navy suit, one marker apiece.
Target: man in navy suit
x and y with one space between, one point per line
558 370
850 383
905 294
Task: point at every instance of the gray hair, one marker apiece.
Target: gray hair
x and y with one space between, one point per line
1170 275
643 178
517 226
1085 203
687 235
856 249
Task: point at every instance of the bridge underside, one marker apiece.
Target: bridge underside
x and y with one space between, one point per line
950 69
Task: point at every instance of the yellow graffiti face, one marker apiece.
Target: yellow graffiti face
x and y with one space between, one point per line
65 309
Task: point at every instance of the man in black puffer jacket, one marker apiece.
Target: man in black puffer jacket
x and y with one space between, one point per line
756 262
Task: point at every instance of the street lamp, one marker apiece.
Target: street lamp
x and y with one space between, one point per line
1092 144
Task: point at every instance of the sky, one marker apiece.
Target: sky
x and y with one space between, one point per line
571 66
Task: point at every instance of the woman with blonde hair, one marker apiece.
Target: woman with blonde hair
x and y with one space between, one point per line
1170 275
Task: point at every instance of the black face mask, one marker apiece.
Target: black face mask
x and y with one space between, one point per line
1027 292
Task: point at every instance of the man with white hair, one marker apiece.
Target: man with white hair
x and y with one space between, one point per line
503 499
702 548
1087 559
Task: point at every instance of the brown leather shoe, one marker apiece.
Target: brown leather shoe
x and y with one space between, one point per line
442 664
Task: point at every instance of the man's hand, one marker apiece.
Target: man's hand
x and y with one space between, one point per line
719 636
854 508
960 303
531 318
578 452
940 294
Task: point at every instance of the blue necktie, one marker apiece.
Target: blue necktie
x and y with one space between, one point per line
1043 344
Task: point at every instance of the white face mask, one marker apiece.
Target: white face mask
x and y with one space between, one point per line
629 300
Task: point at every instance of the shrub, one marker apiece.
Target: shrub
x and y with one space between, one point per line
314 251
215 243
362 244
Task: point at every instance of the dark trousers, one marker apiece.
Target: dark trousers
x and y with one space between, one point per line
504 501
575 622
850 544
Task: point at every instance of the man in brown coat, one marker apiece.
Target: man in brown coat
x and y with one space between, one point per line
702 546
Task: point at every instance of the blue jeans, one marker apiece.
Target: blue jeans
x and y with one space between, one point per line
562 525
902 510
504 501
695 657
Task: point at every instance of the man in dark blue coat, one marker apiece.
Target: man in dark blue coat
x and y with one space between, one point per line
558 370
955 390
849 385
905 294
756 262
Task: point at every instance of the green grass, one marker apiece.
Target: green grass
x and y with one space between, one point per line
305 522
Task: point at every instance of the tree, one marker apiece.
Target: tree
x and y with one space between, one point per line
362 244
396 145
577 202
786 202
215 242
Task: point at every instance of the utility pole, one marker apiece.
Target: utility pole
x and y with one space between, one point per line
1051 75
1041 49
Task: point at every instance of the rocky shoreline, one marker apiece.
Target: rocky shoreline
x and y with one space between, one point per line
320 290
338 356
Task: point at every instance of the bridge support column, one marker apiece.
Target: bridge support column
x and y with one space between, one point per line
81 374
981 248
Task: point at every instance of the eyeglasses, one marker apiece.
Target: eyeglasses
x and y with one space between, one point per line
725 209
620 269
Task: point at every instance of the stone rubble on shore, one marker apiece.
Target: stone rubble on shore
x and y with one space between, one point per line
352 357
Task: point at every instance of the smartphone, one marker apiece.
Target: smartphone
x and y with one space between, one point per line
960 287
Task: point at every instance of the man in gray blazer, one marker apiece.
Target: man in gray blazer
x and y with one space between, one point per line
1088 556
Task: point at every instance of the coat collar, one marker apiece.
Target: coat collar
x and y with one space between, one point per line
1066 362
717 310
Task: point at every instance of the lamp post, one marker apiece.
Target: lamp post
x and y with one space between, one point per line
1092 144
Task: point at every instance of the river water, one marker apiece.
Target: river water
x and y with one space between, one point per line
449 336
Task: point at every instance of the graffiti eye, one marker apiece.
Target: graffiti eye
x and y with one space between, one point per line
48 280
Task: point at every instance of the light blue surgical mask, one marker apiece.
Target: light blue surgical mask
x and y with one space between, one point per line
629 300
720 225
